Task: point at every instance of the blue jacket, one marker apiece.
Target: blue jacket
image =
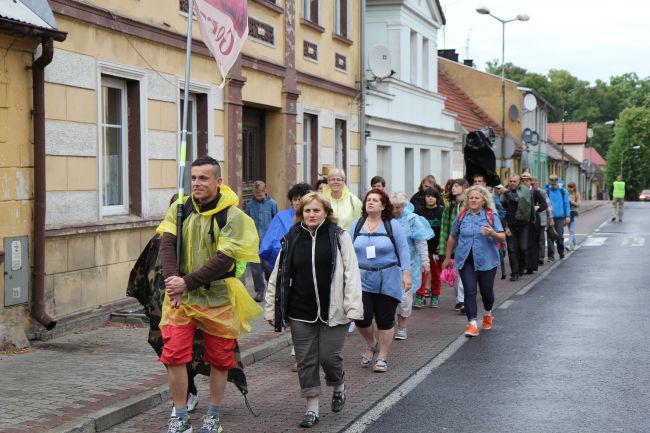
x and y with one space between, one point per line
262 212
559 199
270 244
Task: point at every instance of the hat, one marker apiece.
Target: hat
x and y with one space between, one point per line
325 169
552 179
526 175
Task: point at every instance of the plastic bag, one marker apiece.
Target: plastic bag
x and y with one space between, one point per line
449 275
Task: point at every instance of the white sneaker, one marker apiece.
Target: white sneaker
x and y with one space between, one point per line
400 334
192 402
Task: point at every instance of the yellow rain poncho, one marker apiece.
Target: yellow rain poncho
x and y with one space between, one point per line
226 307
347 208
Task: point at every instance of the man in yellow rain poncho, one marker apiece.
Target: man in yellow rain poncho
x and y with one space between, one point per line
204 293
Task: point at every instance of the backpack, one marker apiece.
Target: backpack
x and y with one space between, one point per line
461 215
389 233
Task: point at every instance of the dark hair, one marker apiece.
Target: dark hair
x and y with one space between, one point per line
378 179
298 190
431 192
319 182
478 175
387 213
208 160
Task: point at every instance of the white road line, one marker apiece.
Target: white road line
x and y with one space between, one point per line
407 386
594 241
506 304
634 241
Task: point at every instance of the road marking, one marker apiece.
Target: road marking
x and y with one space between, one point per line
407 386
633 242
594 241
506 304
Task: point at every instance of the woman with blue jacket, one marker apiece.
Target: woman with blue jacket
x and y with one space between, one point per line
383 254
474 236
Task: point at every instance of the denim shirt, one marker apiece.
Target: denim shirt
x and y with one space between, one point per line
262 212
485 250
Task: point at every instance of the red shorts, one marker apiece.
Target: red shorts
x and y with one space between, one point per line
177 347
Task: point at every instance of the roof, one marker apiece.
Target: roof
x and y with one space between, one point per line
469 114
594 157
28 16
574 132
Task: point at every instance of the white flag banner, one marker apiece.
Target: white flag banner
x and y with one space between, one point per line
224 28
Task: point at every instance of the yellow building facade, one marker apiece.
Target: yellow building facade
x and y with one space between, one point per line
113 104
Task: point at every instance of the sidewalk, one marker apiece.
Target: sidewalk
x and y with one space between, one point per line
90 381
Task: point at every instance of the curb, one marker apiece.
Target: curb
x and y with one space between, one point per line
105 418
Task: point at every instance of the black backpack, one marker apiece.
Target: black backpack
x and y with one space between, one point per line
389 233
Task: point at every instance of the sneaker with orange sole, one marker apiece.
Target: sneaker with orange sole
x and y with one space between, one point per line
471 330
487 322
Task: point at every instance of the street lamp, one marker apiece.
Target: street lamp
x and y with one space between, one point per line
623 155
521 17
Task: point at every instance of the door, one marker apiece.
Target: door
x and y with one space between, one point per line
253 150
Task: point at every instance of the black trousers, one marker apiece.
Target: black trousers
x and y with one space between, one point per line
517 247
532 254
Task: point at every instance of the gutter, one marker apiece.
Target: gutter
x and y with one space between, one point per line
362 100
38 85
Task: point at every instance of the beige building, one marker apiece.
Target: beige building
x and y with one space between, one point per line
113 102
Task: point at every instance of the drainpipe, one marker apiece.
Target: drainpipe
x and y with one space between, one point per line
38 84
362 99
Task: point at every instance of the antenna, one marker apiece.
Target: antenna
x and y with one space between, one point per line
379 62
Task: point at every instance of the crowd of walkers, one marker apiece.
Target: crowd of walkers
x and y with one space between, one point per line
331 263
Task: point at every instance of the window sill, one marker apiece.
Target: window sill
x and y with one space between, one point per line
342 39
270 5
313 25
107 224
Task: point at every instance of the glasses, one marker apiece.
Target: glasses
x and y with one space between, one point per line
335 179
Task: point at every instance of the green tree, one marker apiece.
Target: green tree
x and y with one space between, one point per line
632 129
512 72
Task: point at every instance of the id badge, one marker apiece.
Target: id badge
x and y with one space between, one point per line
370 252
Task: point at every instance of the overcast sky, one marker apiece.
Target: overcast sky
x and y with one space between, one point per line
592 39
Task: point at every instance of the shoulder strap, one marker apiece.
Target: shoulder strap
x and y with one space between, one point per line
188 207
461 215
389 232
490 217
357 228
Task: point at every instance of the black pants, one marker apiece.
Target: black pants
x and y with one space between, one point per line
517 247
532 254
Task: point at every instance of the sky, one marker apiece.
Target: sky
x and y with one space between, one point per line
592 39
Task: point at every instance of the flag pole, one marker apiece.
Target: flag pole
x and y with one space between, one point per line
182 153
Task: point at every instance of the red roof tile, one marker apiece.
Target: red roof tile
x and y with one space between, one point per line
592 155
574 132
469 114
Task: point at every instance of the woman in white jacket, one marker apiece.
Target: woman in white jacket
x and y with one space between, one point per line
315 287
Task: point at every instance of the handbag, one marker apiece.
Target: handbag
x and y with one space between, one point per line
551 233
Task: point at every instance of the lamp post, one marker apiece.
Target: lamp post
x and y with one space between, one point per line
623 155
521 17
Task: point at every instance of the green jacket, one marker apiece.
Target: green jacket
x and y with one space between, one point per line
448 217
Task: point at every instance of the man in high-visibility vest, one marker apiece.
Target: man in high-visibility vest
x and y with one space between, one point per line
619 198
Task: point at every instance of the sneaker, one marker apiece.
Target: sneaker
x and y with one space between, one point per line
178 425
487 322
620 220
435 303
462 308
309 420
400 334
551 259
192 401
471 330
338 400
613 218
211 424
259 297
457 306
419 302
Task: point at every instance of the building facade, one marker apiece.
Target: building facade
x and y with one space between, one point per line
409 132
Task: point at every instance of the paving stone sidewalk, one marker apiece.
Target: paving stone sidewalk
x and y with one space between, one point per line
93 380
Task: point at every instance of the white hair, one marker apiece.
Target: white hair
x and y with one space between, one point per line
336 172
398 198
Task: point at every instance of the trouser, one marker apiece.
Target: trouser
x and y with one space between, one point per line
318 344
572 230
436 283
484 281
460 290
617 208
517 247
260 272
541 248
502 259
558 223
533 247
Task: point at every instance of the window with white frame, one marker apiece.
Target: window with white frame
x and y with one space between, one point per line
310 149
340 144
341 17
191 141
114 147
310 10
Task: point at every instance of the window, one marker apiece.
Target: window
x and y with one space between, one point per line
384 163
414 57
253 149
310 9
341 18
114 149
197 132
425 63
409 168
340 147
425 163
310 149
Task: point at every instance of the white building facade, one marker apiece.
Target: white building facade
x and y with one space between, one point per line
409 132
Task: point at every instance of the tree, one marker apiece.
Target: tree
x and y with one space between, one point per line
512 72
632 129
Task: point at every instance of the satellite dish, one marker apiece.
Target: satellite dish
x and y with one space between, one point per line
590 132
530 102
513 112
379 62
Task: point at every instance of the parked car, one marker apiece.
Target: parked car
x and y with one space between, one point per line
645 195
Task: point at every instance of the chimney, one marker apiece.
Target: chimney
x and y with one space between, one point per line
449 54
468 62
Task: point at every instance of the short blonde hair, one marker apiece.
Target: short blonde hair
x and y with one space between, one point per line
259 186
487 197
398 198
316 196
336 172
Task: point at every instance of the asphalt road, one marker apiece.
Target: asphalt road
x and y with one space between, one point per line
570 355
